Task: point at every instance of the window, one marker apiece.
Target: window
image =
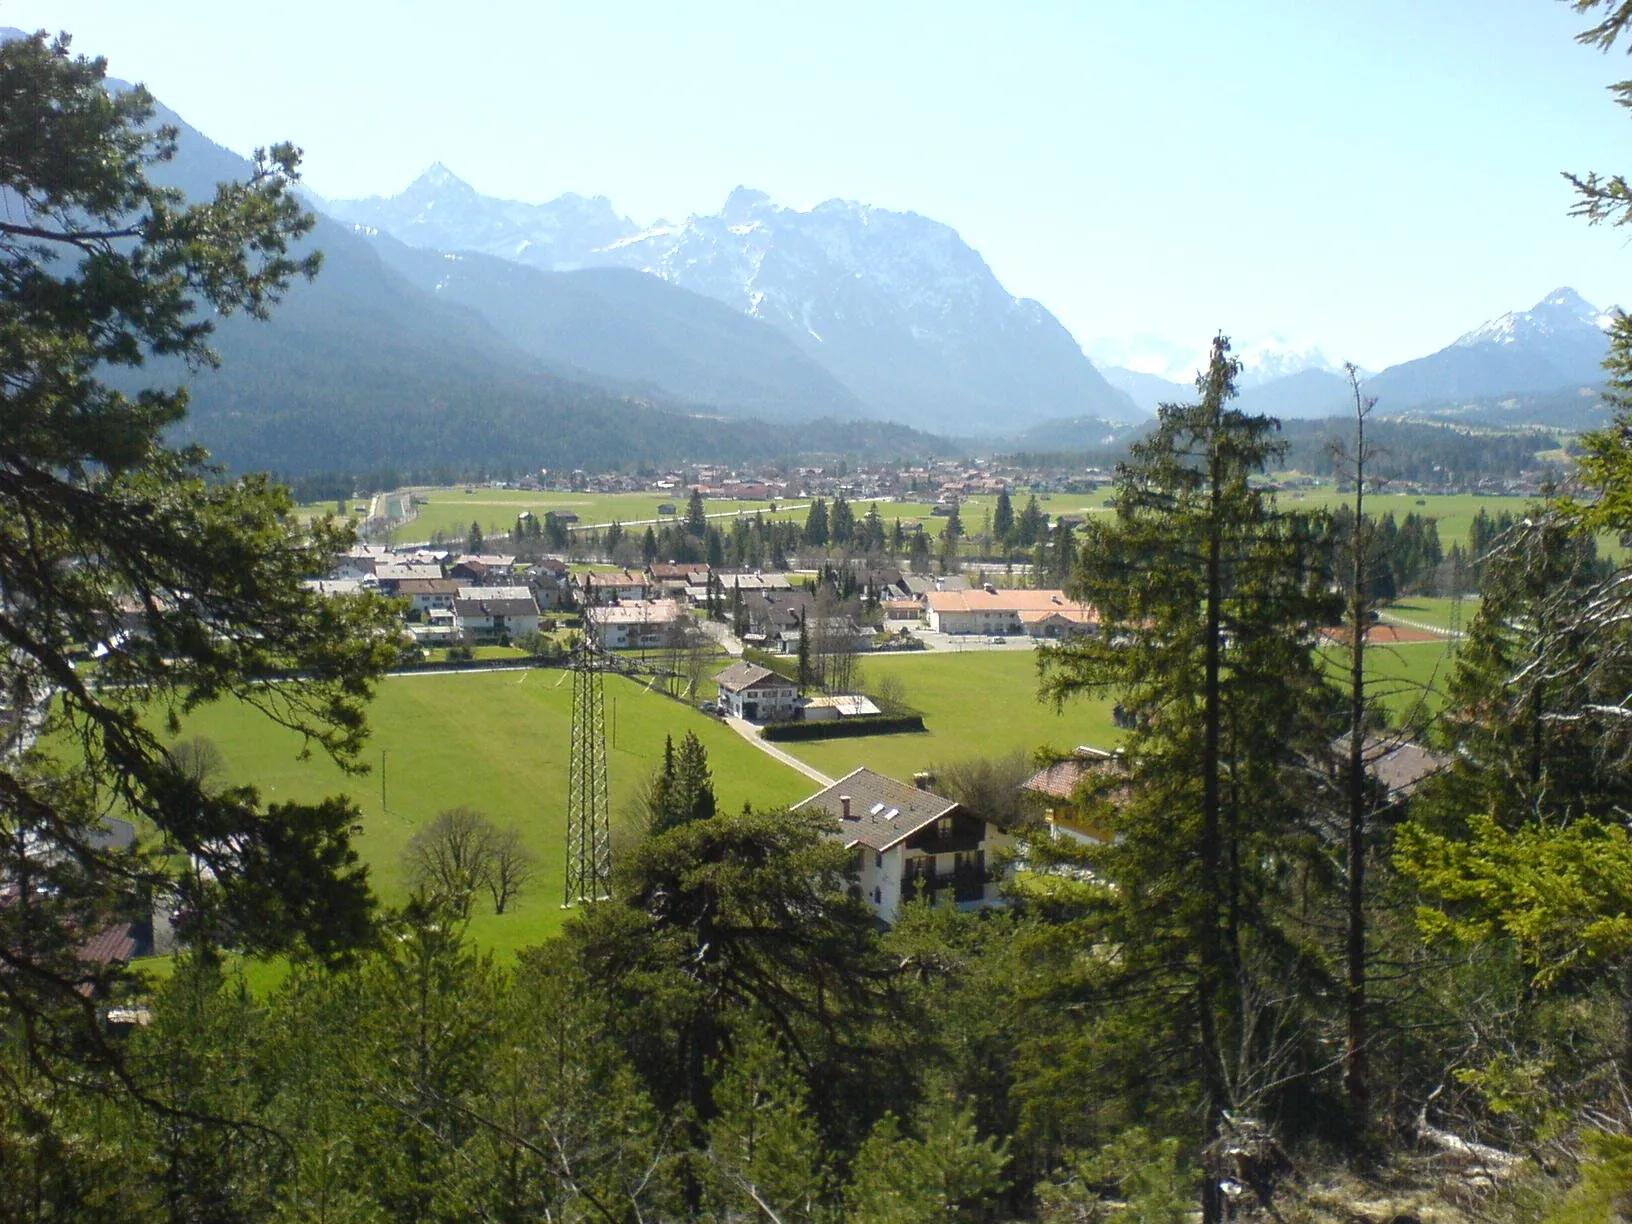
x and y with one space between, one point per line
878 860
943 827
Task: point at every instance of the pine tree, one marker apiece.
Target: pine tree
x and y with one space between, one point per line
804 656
1031 525
1208 600
841 521
102 271
696 516
816 524
1003 516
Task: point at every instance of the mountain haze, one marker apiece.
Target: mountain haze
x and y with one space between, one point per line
364 368
895 306
1558 342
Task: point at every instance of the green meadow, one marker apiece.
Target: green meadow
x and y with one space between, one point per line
1440 612
1407 680
975 704
451 511
498 742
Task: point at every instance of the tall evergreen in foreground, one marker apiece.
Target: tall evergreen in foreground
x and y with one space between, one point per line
1209 599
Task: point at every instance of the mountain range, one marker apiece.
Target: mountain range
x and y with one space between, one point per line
1543 365
910 321
451 329
894 306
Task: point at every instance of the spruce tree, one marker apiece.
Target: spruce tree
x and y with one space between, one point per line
1209 600
816 524
841 521
1003 516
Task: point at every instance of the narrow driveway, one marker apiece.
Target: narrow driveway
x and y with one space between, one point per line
750 732
728 641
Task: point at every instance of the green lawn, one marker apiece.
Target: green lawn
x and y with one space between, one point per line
451 511
1454 512
1444 613
498 742
1408 680
977 703
984 703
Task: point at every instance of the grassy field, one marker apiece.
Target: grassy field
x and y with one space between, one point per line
1454 512
1442 613
983 703
978 703
451 511
1409 680
497 742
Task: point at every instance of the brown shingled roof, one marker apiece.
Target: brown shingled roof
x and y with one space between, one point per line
112 945
883 811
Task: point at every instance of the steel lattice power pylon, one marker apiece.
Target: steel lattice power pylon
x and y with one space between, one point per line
589 824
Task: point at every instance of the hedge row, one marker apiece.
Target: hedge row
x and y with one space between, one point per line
837 728
786 666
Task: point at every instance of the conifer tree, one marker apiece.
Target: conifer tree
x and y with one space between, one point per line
102 272
1003 516
1208 601
841 521
696 516
816 534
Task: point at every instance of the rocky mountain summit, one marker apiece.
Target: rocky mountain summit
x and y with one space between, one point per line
896 306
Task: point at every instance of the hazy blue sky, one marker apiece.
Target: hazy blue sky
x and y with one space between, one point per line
1375 178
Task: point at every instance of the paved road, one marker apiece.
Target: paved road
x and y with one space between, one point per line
960 642
750 732
721 633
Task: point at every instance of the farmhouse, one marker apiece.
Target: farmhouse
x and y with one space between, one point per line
428 593
989 610
494 614
619 585
757 693
641 623
485 568
389 577
910 842
1066 790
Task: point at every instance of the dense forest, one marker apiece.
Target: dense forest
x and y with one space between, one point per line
1321 962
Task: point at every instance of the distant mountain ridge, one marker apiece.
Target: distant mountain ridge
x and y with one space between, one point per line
1559 342
1539 366
365 369
896 306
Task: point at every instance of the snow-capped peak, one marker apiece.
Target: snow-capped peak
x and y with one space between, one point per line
439 178
1276 356
1562 310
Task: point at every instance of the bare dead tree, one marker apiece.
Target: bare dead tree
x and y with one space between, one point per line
511 868
199 760
1356 1081
452 857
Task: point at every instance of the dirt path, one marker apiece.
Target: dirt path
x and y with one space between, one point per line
750 733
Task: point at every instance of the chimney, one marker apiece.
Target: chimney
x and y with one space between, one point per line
923 780
844 806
